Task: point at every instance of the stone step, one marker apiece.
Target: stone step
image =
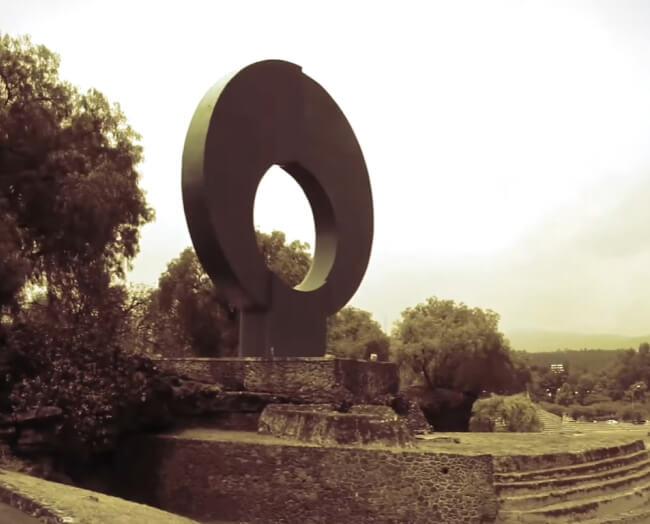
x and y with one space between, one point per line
564 478
574 469
635 516
543 499
632 502
505 464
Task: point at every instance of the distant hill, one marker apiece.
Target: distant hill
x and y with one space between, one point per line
534 340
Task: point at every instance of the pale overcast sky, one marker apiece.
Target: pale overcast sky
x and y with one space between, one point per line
508 143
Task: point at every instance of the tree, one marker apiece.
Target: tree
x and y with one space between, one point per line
516 412
450 354
70 214
447 345
546 383
290 262
565 395
584 386
636 392
185 315
69 197
633 367
352 333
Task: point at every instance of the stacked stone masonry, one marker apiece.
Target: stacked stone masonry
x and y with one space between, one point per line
321 424
259 482
315 380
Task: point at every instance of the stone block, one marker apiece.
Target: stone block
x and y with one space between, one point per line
320 424
307 380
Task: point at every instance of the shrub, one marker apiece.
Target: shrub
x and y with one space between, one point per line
579 412
102 391
485 412
595 398
520 415
608 410
632 413
517 412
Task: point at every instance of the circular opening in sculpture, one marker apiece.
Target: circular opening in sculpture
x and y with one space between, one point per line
280 205
281 208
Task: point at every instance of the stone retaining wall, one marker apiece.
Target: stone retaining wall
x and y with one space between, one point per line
510 463
317 379
361 425
248 479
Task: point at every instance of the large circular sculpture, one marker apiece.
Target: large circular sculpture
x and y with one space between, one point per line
271 113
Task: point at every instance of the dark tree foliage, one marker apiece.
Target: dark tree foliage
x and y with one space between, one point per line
591 377
68 182
590 360
441 344
77 363
449 354
290 262
352 333
70 213
185 314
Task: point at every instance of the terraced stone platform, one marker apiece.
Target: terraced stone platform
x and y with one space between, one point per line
599 486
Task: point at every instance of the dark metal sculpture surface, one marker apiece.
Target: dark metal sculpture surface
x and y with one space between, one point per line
272 113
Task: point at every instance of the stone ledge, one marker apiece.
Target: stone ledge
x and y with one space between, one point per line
55 503
316 379
322 425
520 463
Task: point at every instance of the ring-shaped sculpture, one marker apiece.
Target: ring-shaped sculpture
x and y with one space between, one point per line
271 113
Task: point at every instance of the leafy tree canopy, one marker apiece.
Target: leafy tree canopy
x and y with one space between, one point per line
290 262
185 315
516 412
70 213
448 345
352 333
69 197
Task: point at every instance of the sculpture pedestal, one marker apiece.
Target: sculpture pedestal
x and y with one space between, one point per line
325 446
307 380
336 398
